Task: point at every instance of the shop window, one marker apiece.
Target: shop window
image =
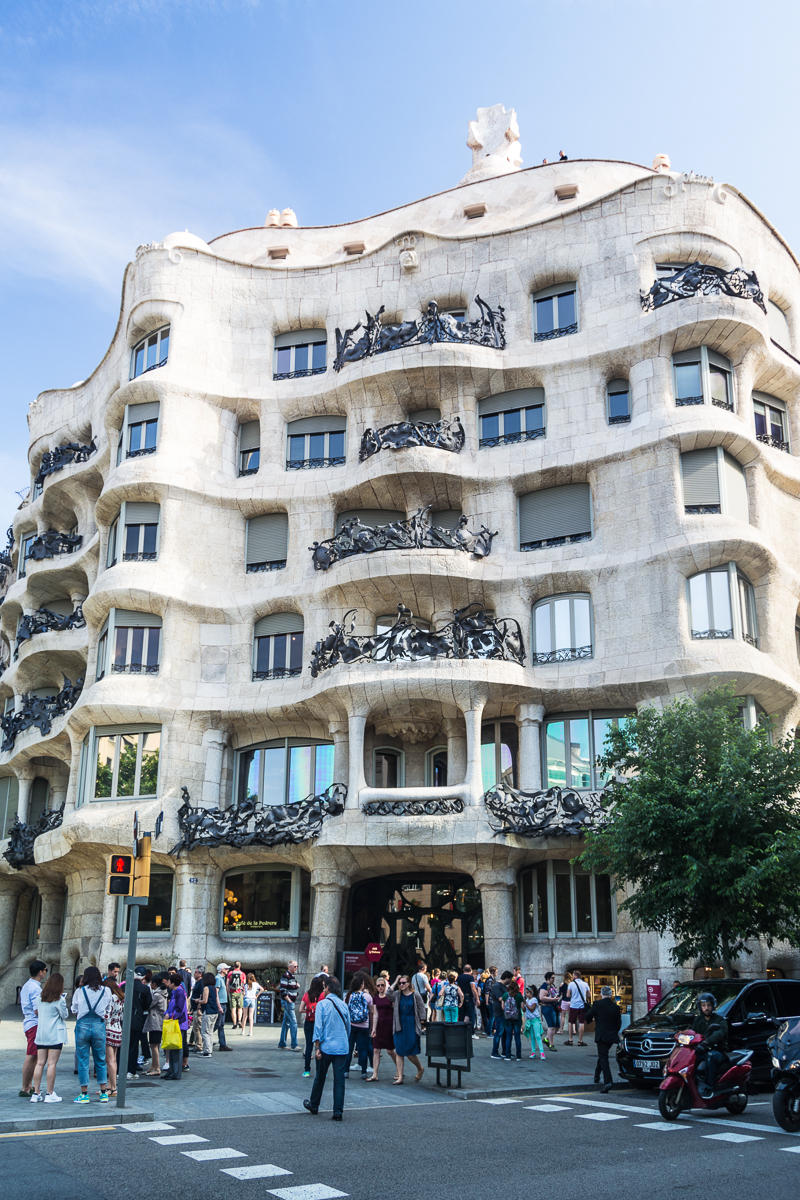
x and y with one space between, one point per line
121 764
134 535
139 433
618 402
722 605
388 767
265 900
560 900
511 417
572 745
714 482
772 425
151 352
300 353
129 643
249 447
278 646
555 516
284 771
703 377
562 629
315 442
499 746
555 312
436 767
9 800
158 914
266 542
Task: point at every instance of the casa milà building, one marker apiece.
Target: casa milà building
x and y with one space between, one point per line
362 535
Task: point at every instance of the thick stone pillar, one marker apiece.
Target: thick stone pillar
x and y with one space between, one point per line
25 781
53 898
356 725
196 907
499 930
9 902
474 780
215 741
341 746
329 890
456 751
529 719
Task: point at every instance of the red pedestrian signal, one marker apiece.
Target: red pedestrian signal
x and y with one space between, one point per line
120 875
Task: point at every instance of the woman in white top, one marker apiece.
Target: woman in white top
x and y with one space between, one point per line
251 994
51 1034
89 1003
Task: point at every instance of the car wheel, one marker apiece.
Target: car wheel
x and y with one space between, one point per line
737 1104
669 1103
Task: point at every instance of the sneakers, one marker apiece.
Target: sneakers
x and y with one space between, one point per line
542 1055
26 1093
104 1097
36 1097
499 1057
52 1098
533 1056
82 1098
306 1074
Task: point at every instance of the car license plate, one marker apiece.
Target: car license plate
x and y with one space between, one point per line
647 1064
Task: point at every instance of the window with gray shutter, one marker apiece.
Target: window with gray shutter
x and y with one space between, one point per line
735 489
369 516
426 416
446 518
700 474
140 531
249 447
141 428
555 516
278 646
135 640
315 442
509 417
299 353
267 539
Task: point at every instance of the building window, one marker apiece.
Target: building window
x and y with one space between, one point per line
772 426
38 802
511 417
722 605
300 353
278 646
560 900
572 745
714 482
9 799
499 745
249 447
562 629
266 542
315 442
618 402
24 550
265 900
752 714
778 325
134 639
158 914
703 377
122 764
436 767
151 352
35 918
284 771
555 312
555 516
388 767
139 433
138 542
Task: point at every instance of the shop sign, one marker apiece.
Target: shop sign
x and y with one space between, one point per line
374 952
653 992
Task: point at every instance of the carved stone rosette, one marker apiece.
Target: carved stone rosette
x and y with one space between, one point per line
379 338
251 825
416 532
552 812
703 280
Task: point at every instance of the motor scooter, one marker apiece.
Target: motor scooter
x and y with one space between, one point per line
679 1091
785 1049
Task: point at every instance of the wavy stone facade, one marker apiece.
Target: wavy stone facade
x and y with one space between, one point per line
605 230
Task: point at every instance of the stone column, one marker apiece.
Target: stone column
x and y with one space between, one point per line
340 736
529 719
9 901
474 779
499 931
52 917
215 742
356 725
25 780
456 751
196 908
329 889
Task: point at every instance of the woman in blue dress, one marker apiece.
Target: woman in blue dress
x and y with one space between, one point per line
409 1022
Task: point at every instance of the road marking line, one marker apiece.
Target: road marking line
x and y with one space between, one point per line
210 1155
548 1108
58 1132
736 1138
663 1126
791 1149
264 1171
179 1139
307 1191
631 1108
601 1116
146 1126
501 1100
698 1116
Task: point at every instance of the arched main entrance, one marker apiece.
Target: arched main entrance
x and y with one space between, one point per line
436 916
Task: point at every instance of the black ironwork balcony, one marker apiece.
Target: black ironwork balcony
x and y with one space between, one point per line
547 543
134 668
248 471
248 824
60 457
144 449
700 279
711 634
551 812
412 808
299 374
403 435
768 439
310 464
623 419
700 510
22 835
472 633
726 404
414 533
140 556
277 673
52 543
751 641
511 439
45 621
277 565
431 327
5 555
542 658
38 712
550 334
683 401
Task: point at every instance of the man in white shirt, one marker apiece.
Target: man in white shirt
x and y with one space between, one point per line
29 995
578 999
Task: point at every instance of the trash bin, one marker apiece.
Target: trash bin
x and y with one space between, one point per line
453 1043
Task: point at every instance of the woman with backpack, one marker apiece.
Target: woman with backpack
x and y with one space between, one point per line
51 1036
452 999
114 1033
533 1021
89 1003
437 984
155 1020
359 1002
512 1015
548 999
308 1007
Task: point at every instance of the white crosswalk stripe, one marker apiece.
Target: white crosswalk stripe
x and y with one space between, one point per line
178 1139
500 1100
145 1126
211 1155
260 1171
791 1149
601 1116
307 1191
547 1107
731 1137
662 1126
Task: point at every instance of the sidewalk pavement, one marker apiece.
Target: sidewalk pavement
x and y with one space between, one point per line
259 1079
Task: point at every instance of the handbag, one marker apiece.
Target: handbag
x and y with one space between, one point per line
171 1038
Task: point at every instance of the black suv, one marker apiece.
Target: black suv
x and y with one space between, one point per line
747 1005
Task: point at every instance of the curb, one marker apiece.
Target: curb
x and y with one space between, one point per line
76 1121
542 1090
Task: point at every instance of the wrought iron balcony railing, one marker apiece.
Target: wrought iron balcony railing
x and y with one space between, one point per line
431 327
38 712
726 404
134 669
277 673
684 401
277 565
768 439
310 464
144 449
551 812
22 835
60 457
403 435
566 540
248 824
52 543
699 510
550 334
44 621
511 439
700 279
711 634
278 375
416 532
566 654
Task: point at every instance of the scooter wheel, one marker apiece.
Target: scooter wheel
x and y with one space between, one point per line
786 1108
669 1104
737 1104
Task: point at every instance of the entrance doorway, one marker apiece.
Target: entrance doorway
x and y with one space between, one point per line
436 917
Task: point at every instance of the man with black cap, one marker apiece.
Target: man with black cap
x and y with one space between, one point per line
139 1010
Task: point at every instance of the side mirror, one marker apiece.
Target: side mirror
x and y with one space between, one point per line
755 1018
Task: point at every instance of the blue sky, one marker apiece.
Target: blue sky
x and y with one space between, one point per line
121 121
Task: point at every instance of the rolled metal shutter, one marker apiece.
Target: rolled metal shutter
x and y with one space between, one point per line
369 516
249 435
736 505
700 472
555 512
507 401
136 620
300 337
143 412
267 538
285 622
141 513
446 518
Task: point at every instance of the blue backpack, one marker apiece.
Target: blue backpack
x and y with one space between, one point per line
358 1007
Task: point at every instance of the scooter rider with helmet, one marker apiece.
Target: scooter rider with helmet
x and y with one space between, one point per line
713 1048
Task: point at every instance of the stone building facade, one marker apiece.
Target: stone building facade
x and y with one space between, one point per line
592 361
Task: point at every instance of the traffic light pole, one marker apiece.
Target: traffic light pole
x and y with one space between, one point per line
133 904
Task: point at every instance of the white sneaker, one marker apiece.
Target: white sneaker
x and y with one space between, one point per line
52 1098
36 1097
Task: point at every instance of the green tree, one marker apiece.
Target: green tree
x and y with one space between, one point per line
703 827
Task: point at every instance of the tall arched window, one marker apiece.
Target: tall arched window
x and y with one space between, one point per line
278 646
499 744
562 628
388 767
722 605
436 767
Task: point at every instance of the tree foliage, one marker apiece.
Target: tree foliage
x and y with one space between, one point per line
703 828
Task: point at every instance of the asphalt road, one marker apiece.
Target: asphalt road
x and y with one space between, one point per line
570 1145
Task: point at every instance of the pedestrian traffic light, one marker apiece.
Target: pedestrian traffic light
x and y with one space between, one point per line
120 875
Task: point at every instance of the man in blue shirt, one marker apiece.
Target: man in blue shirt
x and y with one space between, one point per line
331 1046
222 993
